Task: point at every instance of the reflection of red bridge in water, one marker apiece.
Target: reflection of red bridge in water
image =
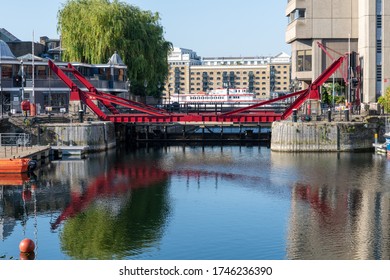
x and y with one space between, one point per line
141 113
120 180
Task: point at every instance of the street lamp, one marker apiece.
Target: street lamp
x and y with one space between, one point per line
158 88
128 88
145 85
22 74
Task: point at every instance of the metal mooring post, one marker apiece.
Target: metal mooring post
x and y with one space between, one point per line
295 115
329 115
81 116
346 114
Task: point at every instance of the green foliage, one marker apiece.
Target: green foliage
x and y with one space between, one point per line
339 99
97 233
327 93
92 30
384 100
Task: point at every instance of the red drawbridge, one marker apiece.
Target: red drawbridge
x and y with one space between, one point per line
141 113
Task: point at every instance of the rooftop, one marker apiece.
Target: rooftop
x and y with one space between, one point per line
5 52
7 36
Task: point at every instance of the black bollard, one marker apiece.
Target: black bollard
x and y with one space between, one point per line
81 116
346 114
295 115
329 115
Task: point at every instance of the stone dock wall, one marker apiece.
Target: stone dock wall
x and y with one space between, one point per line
290 136
97 136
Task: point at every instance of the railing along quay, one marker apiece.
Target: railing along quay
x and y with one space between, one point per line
17 145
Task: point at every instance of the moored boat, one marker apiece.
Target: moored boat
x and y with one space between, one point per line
221 95
13 179
14 165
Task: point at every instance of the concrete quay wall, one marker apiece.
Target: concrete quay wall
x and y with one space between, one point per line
97 136
290 136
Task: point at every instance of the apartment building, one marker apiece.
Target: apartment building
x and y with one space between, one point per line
341 26
264 76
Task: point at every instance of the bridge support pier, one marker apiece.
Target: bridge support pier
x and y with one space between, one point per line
322 136
147 132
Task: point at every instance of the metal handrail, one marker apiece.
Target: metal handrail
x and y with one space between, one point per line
15 139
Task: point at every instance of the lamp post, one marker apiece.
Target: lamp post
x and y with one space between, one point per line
22 72
128 88
333 93
145 86
158 88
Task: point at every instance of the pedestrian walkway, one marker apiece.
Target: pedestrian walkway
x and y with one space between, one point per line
34 152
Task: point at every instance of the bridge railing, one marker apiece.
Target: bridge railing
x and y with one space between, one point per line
15 139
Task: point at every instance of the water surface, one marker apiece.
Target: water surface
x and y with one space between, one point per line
183 202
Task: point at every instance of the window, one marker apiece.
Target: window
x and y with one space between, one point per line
296 14
304 60
6 71
41 72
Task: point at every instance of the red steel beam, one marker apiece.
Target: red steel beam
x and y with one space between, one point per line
113 98
107 98
153 115
264 117
263 103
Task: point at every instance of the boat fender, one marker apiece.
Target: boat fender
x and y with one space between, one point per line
32 165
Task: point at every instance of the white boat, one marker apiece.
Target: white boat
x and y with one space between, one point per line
221 95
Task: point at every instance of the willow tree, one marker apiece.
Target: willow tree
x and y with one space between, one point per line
92 30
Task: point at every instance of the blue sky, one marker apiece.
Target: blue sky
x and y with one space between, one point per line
209 27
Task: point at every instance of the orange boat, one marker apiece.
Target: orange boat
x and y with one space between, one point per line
14 165
13 179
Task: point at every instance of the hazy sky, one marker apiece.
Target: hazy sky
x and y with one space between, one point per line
209 27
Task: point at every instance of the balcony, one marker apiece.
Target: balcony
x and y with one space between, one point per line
298 29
